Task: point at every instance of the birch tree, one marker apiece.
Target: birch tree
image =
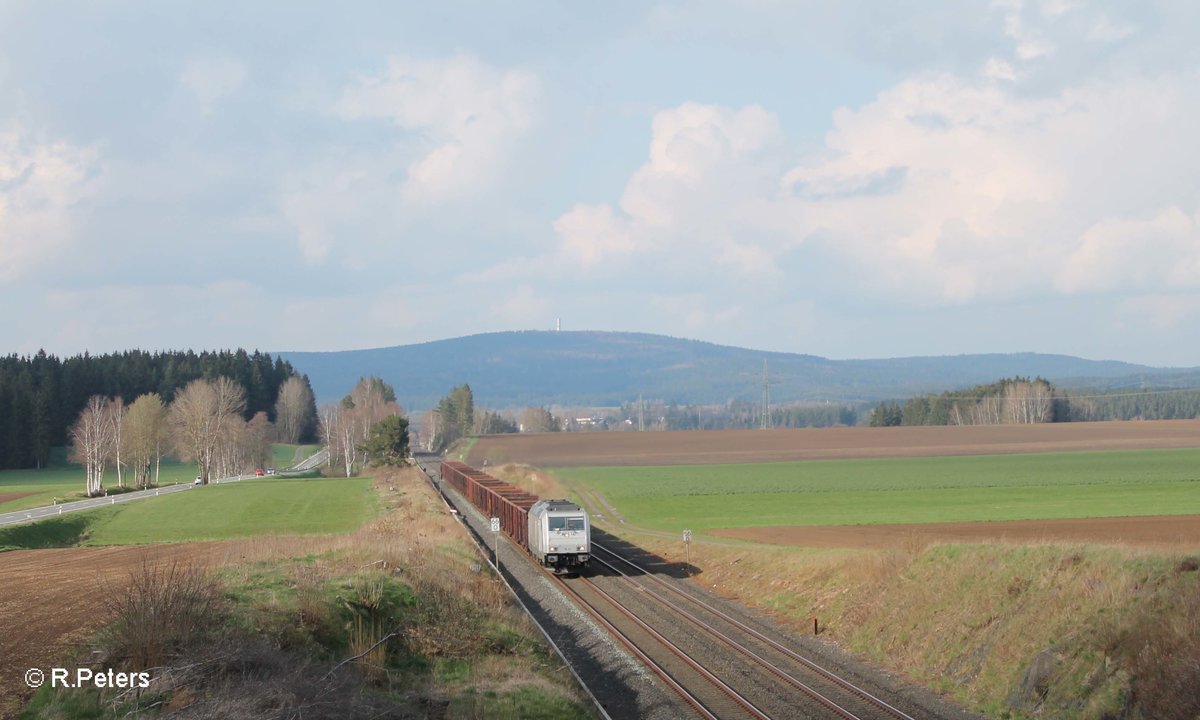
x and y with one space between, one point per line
144 437
200 417
116 418
92 442
292 409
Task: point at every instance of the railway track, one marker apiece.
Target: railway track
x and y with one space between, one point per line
719 666
748 674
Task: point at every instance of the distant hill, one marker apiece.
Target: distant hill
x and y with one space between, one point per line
580 368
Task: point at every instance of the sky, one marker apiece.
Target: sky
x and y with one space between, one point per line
852 180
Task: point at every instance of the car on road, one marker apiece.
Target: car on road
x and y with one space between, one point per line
259 473
198 481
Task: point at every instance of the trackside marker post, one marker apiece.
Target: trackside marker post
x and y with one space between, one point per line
687 548
496 541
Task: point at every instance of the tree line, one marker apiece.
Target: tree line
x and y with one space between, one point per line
42 395
204 424
1016 400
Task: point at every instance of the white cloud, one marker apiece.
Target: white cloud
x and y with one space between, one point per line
1000 191
41 183
698 195
591 234
1162 252
998 69
941 190
1106 29
460 116
211 79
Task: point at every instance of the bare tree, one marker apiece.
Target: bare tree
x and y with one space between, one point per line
330 415
1028 402
116 416
200 416
144 437
291 409
345 426
257 440
92 442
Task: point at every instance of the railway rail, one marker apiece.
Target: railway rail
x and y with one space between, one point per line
826 692
716 664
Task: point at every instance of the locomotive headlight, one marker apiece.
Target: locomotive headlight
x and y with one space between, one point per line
553 548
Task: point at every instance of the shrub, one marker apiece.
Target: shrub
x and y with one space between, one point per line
161 610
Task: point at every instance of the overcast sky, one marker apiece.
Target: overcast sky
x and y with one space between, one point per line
850 179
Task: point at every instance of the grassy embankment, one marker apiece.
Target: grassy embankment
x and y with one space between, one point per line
1043 630
63 481
270 633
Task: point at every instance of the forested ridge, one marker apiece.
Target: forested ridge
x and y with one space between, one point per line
42 395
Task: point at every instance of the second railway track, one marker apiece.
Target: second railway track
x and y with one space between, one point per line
780 682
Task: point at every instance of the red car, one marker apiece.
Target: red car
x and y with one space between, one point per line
259 473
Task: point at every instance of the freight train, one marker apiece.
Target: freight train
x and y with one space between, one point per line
557 533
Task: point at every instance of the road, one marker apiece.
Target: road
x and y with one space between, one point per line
39 513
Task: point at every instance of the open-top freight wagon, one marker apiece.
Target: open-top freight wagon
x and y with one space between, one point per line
557 533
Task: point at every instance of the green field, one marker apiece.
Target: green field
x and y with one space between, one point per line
215 512
901 490
64 481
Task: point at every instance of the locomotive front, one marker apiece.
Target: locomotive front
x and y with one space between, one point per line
560 535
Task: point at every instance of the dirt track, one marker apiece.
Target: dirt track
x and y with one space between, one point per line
740 446
51 600
1173 532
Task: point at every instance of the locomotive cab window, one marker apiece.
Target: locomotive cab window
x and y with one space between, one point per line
566 523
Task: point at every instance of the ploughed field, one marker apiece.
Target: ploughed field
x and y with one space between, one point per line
1120 482
52 600
753 446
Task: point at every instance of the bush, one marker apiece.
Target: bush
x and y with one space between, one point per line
161 610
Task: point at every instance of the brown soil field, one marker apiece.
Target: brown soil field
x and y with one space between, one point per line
8 497
53 600
582 449
1173 532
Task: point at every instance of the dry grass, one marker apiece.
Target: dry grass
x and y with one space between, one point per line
302 626
1112 626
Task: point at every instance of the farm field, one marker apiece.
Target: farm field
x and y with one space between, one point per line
901 490
215 512
549 450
